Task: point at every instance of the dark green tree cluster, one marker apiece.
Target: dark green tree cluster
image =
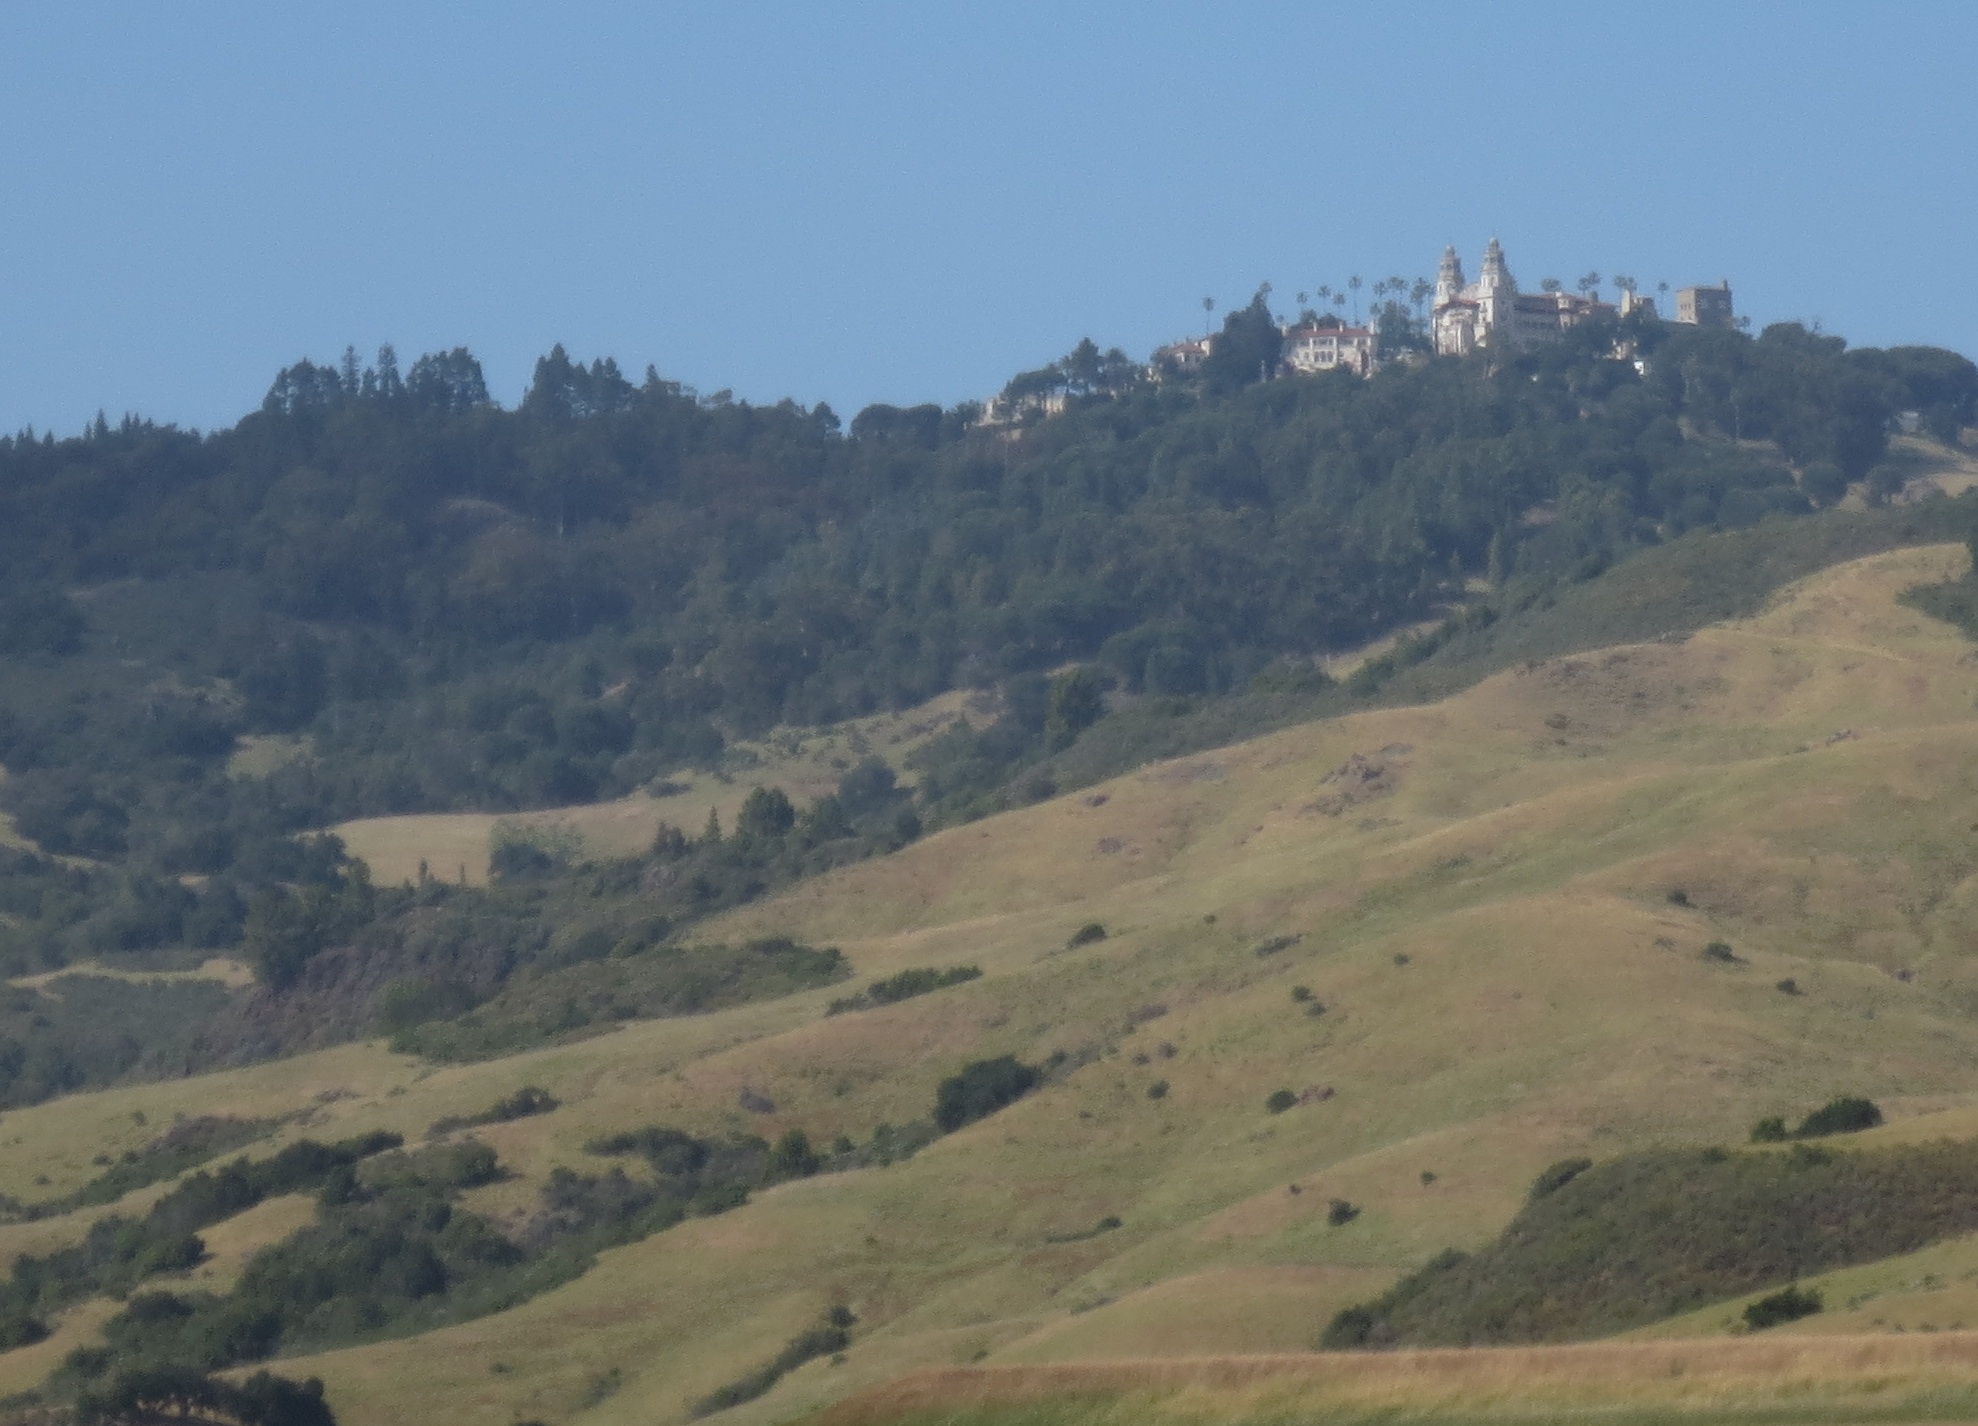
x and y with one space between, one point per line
183 1394
549 951
392 1252
906 985
967 770
84 1031
980 1089
1847 1114
1604 1248
1083 373
120 1252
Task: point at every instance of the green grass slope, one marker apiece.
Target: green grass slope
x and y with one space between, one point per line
1482 896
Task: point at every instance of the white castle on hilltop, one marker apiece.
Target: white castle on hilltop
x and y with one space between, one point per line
1492 312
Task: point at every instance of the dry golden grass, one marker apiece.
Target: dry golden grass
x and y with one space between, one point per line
1254 1309
258 754
1507 982
230 1244
58 1141
1876 1377
25 1368
1932 468
231 973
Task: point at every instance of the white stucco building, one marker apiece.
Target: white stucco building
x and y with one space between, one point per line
1314 348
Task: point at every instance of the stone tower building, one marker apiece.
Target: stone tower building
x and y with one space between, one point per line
1492 312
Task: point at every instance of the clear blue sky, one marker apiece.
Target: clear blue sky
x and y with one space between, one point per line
867 202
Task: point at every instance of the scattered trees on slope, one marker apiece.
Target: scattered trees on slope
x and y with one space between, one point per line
1620 1244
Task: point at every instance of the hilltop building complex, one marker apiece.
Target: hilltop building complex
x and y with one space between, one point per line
1488 314
1492 312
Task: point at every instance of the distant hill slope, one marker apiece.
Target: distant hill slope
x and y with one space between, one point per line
1500 900
381 594
337 958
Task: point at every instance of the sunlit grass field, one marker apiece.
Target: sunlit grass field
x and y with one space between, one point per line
1501 901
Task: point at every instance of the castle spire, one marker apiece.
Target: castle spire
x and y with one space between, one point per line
1449 280
1496 299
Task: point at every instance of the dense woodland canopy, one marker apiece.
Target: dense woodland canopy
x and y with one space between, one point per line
453 605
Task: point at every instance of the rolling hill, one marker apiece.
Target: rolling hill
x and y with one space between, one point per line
1496 906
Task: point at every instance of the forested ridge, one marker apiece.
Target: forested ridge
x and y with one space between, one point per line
450 605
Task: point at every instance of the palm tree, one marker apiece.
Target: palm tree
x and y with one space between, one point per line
1208 314
1354 283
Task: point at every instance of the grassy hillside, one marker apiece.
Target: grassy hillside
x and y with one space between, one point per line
1768 1380
1500 900
806 763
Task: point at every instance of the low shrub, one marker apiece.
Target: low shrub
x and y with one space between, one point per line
1847 1114
1786 1305
905 986
18 1329
527 1101
1721 953
1085 935
1158 1089
1280 1100
793 1157
980 1090
829 1337
1339 1212
1559 1175
1354 1328
1108 1224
